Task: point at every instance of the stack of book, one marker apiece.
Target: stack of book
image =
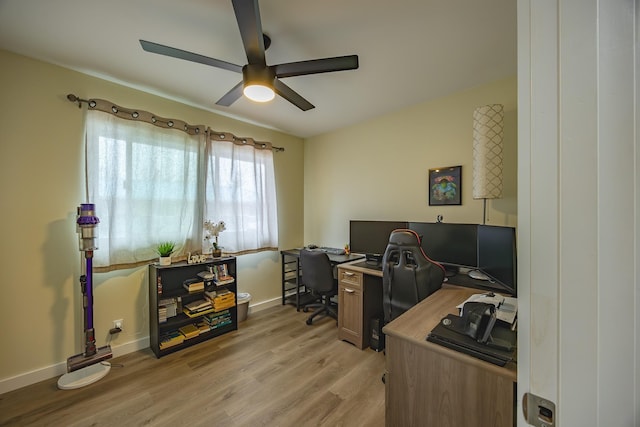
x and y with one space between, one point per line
170 339
189 331
203 326
198 307
193 285
162 314
222 276
167 308
223 300
216 320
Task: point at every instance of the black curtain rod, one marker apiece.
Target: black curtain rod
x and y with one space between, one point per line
73 98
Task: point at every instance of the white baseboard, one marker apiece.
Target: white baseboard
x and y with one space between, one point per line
263 305
35 376
32 377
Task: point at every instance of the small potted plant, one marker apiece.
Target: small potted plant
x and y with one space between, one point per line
165 249
213 230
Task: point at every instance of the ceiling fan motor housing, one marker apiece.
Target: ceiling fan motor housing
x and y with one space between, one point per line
258 74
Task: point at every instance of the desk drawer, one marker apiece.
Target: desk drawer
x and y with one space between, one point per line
351 278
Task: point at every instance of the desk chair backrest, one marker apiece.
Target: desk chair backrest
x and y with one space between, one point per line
317 272
408 275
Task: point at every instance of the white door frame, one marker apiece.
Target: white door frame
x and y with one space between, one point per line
578 209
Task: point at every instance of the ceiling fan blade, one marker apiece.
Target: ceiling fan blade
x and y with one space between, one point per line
188 56
248 17
232 96
315 66
292 96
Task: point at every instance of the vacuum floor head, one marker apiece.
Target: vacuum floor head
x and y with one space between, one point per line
80 361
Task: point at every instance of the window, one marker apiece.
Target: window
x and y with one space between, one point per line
151 184
241 191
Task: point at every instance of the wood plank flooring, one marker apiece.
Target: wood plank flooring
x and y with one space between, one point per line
274 371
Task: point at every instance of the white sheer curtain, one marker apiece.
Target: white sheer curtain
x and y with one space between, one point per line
147 184
241 191
155 183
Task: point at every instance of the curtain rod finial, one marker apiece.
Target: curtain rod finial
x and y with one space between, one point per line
72 98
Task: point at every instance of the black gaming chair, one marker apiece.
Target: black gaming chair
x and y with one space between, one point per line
317 276
409 276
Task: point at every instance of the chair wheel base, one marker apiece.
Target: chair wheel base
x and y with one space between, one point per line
309 321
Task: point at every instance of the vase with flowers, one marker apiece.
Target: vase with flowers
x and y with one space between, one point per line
213 230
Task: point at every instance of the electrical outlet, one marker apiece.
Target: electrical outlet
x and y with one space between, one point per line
117 324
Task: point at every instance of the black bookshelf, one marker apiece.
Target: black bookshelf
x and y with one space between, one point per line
166 283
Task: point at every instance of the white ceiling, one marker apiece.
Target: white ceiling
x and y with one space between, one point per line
410 51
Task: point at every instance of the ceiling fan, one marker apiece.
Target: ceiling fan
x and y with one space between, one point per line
259 80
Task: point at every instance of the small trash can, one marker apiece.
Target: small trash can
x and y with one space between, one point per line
243 306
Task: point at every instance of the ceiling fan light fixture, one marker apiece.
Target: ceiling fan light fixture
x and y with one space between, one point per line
258 92
258 83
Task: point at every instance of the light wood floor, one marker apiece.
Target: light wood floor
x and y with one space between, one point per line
274 371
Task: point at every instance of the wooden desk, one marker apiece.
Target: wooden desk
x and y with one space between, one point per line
359 301
293 289
431 385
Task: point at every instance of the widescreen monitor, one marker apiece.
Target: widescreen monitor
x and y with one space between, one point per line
497 255
371 237
448 244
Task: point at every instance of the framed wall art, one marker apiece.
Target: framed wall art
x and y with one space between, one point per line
445 186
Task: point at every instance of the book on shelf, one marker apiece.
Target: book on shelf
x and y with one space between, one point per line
210 295
221 324
215 320
170 306
189 331
224 281
198 313
224 300
221 270
193 285
170 339
203 326
216 316
162 314
223 306
198 305
222 276
224 293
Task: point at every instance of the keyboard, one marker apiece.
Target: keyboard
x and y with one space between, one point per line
331 251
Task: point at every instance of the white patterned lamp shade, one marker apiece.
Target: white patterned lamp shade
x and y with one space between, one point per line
488 132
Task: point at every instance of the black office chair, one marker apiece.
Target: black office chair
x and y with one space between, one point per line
317 276
408 276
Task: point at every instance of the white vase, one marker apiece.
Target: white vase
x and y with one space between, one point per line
165 260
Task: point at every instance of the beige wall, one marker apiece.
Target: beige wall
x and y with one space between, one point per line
378 169
41 181
373 170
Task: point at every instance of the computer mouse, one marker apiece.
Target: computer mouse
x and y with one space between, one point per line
312 246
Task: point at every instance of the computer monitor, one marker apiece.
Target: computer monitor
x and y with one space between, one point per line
371 237
447 243
497 255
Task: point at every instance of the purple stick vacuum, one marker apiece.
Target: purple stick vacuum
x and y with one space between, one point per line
87 224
